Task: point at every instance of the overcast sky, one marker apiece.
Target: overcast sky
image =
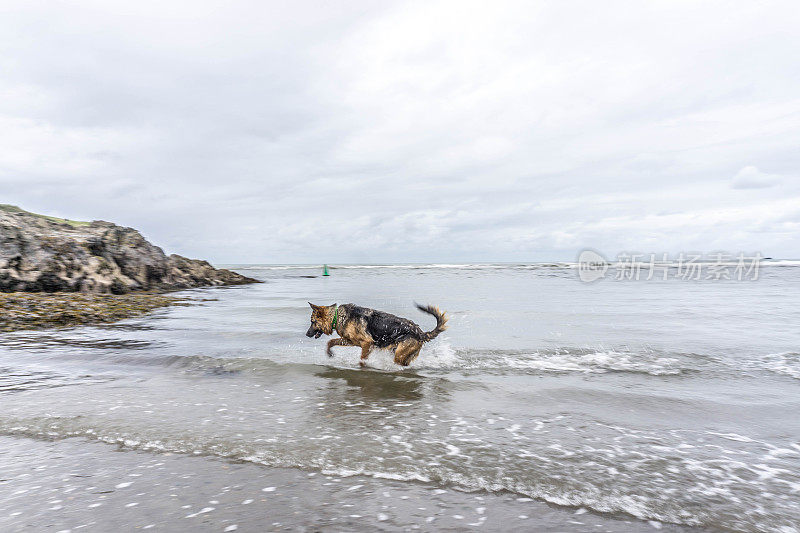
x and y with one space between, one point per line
286 132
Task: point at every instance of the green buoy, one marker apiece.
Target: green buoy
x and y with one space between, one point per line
325 270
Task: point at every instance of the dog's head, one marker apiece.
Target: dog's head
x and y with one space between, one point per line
321 320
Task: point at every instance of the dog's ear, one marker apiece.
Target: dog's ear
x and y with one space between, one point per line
313 306
332 305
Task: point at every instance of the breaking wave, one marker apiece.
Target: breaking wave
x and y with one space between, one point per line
577 474
785 363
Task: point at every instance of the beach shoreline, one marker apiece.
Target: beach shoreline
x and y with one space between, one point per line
80 485
581 410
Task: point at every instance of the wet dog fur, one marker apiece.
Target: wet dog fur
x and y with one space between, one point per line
370 328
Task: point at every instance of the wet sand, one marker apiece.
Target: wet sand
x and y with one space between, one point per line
78 485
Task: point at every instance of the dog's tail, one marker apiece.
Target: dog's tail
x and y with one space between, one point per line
441 322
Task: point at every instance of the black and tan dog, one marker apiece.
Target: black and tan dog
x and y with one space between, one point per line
369 328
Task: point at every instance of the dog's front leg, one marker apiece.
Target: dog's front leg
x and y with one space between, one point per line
366 348
335 342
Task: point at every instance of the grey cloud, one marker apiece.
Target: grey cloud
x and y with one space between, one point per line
752 178
435 131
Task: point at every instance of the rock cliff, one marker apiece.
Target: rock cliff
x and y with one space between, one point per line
46 254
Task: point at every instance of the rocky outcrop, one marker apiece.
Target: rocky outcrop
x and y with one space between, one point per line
46 254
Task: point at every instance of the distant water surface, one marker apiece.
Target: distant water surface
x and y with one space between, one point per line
673 401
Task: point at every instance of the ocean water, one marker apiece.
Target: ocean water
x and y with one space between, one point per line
659 402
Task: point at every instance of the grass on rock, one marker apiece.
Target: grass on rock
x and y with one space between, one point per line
14 209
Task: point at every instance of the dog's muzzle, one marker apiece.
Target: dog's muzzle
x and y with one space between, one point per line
314 332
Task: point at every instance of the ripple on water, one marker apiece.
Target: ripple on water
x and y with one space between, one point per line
705 476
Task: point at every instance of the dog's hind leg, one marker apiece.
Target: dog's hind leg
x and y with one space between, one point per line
366 349
407 351
335 342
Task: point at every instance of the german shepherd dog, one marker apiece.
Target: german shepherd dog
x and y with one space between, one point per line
369 328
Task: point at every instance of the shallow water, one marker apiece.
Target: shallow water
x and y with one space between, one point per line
672 401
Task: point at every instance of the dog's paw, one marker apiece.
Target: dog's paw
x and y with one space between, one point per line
330 353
